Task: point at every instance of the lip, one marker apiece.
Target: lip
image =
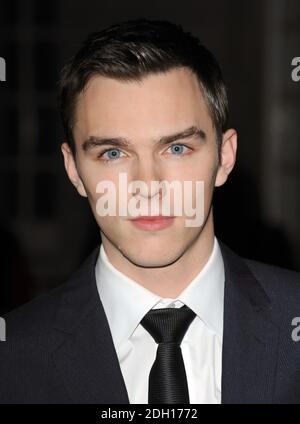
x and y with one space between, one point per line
152 223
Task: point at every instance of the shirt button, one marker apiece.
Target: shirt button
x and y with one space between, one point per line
172 305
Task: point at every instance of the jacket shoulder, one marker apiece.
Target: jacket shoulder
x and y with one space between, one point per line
34 318
278 282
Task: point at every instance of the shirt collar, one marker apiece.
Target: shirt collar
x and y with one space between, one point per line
126 302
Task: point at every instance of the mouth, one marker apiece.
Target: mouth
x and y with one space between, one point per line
152 223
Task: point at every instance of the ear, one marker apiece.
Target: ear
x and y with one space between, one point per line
71 169
227 156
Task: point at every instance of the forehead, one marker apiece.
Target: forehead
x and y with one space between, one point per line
155 104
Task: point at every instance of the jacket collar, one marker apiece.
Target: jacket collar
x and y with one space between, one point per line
250 337
85 355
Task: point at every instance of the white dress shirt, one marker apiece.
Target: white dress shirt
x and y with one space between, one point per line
126 302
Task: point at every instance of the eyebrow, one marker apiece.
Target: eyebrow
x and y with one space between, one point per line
94 141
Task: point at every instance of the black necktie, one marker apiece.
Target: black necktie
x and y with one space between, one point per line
167 379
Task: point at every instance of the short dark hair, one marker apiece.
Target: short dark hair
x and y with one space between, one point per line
131 50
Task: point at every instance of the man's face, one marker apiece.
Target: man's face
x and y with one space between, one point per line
142 113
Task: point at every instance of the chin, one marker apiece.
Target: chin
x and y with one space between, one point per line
152 259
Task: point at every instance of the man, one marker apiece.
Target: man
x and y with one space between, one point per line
161 311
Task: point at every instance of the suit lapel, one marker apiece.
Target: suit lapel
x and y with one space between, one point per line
250 338
85 355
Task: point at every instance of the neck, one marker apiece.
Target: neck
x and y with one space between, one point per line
171 280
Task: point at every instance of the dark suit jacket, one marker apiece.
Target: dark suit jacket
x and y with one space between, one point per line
59 348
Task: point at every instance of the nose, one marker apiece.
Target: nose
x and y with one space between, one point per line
147 171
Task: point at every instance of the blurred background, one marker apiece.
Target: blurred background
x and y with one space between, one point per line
47 229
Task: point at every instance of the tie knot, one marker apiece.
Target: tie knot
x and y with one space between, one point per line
168 325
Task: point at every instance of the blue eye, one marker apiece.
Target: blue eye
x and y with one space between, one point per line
178 148
112 154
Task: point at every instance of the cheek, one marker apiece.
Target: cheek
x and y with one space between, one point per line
196 177
92 175
199 166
